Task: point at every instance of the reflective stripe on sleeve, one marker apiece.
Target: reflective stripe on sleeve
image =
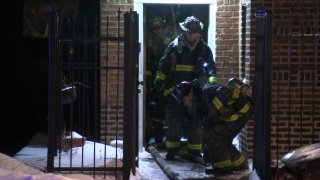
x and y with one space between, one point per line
160 75
245 108
168 91
217 103
236 93
148 73
212 79
234 117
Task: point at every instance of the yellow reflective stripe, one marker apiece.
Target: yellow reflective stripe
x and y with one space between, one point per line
170 144
194 146
234 117
188 68
236 93
230 103
212 79
245 108
222 164
148 73
239 161
160 75
217 103
168 91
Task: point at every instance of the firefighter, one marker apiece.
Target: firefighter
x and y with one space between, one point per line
228 110
158 40
186 58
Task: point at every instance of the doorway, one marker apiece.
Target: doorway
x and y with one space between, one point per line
169 15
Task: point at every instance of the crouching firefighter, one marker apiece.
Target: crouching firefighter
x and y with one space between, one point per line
228 110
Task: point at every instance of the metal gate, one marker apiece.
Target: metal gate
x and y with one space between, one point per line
287 114
93 95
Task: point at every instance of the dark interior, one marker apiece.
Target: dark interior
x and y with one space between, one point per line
24 76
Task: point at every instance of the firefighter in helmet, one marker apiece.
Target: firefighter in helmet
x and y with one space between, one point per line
157 41
186 58
228 110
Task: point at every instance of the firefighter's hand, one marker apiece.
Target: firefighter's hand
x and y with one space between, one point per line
189 102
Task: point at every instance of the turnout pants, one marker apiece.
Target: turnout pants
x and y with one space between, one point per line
218 149
181 123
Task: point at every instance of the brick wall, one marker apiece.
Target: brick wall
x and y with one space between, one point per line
286 130
295 117
227 39
112 59
230 60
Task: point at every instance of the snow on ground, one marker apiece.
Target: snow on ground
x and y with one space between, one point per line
149 168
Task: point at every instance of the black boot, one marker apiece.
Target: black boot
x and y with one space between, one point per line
195 157
215 170
170 156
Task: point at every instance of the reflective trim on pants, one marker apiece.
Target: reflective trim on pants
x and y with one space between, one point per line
239 161
170 144
222 164
197 147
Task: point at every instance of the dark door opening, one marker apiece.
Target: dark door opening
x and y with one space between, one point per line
162 26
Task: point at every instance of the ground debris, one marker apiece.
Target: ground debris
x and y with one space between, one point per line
182 169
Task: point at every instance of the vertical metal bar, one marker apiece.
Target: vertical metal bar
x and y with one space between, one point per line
97 80
315 66
80 104
60 118
262 93
51 89
70 68
96 70
118 73
106 95
243 39
278 100
290 71
130 94
301 49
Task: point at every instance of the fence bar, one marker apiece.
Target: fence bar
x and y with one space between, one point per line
262 94
74 59
130 150
52 99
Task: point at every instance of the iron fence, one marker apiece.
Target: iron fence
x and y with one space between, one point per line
81 84
291 116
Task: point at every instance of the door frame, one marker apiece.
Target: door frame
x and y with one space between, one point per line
139 8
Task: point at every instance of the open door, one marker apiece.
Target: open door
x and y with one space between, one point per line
170 14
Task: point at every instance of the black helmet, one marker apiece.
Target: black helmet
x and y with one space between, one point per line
191 23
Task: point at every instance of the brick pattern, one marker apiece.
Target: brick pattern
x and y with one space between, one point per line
227 39
287 131
295 116
246 137
112 25
111 123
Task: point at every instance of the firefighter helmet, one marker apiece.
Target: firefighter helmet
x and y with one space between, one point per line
244 88
157 23
191 23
